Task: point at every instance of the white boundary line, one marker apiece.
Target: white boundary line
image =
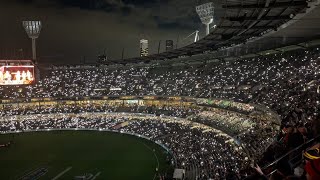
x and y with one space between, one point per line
95 176
62 173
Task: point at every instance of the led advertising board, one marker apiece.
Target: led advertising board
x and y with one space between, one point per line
16 75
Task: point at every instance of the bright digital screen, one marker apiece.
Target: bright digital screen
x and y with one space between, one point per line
16 75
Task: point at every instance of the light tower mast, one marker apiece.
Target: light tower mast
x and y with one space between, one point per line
205 12
33 29
196 37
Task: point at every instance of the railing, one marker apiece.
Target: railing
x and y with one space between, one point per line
294 161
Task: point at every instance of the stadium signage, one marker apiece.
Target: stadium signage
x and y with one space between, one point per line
16 75
149 97
176 98
128 97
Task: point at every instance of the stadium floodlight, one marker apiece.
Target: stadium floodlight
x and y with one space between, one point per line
33 29
205 12
196 37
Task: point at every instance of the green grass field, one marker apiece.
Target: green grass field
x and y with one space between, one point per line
115 156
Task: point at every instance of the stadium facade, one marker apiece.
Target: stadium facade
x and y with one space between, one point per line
215 115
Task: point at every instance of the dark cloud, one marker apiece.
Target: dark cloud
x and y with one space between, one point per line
77 28
143 3
126 10
180 23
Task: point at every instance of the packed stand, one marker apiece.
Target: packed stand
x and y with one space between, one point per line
286 83
203 151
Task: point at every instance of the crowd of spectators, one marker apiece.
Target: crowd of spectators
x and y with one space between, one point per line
195 147
196 150
164 110
235 124
255 135
288 83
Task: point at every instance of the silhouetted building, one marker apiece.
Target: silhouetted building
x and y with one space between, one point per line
169 45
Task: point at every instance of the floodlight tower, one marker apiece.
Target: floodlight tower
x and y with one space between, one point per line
205 12
33 29
196 37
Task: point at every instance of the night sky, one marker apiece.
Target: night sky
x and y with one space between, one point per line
73 29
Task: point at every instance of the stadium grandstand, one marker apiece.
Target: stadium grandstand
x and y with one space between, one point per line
241 103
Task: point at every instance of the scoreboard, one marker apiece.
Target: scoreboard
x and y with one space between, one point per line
17 75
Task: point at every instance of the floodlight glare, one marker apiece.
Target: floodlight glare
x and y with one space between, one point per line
33 29
205 12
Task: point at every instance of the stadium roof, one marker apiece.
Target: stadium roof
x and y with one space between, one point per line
252 24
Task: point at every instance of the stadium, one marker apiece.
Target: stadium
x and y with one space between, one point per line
242 102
